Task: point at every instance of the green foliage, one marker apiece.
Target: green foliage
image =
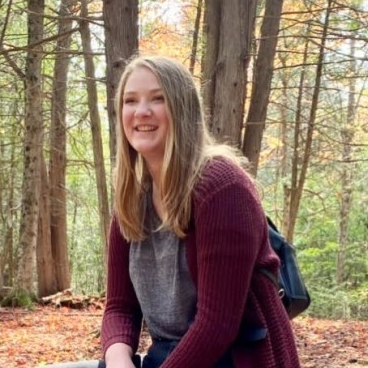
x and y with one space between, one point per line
19 298
338 302
359 302
328 302
85 246
316 264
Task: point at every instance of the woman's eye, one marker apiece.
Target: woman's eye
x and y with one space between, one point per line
128 101
159 98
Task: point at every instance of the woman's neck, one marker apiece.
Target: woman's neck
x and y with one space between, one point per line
157 200
155 172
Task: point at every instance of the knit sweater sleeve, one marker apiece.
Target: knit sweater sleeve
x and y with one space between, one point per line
122 316
229 232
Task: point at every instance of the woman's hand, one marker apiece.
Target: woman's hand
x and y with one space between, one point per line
119 355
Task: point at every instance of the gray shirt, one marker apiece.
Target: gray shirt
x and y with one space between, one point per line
161 279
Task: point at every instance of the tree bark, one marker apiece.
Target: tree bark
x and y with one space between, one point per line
1 201
2 263
1 273
33 144
52 255
225 65
263 72
57 166
95 127
5 22
45 262
347 135
121 42
9 194
8 258
211 36
197 24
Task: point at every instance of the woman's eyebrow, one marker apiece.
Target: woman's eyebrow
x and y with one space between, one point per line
154 90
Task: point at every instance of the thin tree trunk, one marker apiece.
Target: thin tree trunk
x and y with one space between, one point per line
197 24
2 262
295 159
45 262
8 258
95 127
347 135
263 72
57 166
211 37
297 193
33 144
1 274
5 22
282 151
8 197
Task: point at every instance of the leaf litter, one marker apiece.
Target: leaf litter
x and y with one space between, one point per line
54 334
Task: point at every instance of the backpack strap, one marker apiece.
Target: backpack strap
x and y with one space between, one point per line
274 280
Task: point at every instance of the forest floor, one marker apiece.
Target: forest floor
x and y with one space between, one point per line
48 335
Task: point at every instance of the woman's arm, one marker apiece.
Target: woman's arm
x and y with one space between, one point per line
122 316
230 228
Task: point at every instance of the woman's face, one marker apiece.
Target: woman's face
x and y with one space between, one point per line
145 115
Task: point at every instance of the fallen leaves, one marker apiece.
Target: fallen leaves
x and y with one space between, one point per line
331 344
50 335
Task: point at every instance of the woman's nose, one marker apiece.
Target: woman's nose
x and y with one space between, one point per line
143 109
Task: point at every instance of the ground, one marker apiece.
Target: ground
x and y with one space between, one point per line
50 334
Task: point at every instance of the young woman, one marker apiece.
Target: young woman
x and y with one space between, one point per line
186 239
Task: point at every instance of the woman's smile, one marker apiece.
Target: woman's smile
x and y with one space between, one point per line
145 128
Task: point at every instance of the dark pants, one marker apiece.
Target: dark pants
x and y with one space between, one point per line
161 349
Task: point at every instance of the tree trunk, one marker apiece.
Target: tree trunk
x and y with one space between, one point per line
211 36
197 24
5 22
8 258
1 274
282 150
45 263
121 42
297 190
57 165
263 72
295 159
347 135
9 195
228 30
33 144
95 127
2 263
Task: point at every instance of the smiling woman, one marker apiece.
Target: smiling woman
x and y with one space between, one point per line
186 239
187 234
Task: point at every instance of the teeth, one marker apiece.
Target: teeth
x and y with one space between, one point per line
145 128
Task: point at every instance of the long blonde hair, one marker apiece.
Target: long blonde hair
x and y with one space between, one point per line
188 148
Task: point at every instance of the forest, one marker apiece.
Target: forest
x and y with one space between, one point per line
284 81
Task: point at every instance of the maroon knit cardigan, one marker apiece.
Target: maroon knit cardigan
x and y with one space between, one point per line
226 242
